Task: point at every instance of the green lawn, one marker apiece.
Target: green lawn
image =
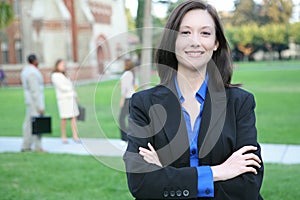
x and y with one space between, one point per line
276 86
36 176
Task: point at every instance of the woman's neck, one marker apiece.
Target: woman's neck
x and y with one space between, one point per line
189 81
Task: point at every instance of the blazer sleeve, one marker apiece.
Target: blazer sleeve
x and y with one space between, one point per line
60 82
37 96
148 181
246 186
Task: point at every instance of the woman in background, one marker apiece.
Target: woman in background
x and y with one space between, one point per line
127 90
66 100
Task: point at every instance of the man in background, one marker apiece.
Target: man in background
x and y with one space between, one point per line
3 82
33 85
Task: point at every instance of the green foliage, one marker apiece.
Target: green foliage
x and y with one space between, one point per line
139 21
267 37
245 12
275 33
130 21
295 32
270 11
260 26
246 34
6 14
173 5
276 11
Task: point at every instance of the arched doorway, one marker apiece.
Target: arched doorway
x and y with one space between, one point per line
103 52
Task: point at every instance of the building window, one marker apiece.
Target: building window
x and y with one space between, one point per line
18 50
4 52
16 8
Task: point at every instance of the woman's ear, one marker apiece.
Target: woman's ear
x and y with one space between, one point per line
216 46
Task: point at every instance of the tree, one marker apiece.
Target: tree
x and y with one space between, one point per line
139 23
6 14
276 11
270 11
276 37
245 12
245 39
130 21
295 33
173 5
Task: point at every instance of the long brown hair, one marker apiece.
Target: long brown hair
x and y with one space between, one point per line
56 67
165 54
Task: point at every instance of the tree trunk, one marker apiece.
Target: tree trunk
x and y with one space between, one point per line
146 63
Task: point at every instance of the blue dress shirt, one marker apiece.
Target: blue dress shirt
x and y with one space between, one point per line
205 176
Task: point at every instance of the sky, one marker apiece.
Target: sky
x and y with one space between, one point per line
221 5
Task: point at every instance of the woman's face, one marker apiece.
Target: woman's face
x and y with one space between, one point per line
196 40
61 66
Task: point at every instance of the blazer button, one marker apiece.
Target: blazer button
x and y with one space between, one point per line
166 194
178 193
172 193
186 193
193 151
207 191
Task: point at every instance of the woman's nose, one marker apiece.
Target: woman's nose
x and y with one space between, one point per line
195 40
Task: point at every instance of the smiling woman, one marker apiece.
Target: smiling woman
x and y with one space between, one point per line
195 42
193 135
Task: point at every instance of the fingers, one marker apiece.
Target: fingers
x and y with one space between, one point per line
144 150
251 170
245 149
252 156
150 156
151 147
252 163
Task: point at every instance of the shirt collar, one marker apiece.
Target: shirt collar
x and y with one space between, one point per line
200 94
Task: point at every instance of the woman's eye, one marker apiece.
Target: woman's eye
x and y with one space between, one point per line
185 32
206 33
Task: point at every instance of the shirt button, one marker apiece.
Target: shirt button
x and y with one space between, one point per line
207 191
193 151
186 193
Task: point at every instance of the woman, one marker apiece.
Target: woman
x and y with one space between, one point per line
66 100
127 90
194 135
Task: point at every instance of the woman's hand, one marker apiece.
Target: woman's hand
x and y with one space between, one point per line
238 163
150 156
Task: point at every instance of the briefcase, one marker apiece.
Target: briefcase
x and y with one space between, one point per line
81 116
41 124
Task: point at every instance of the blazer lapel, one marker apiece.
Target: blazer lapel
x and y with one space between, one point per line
214 113
174 127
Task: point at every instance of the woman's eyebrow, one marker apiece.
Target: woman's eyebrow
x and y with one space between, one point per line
202 27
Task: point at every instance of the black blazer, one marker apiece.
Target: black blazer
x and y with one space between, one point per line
228 123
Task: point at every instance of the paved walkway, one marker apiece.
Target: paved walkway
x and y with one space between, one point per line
271 153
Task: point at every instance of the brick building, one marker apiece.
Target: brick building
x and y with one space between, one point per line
91 35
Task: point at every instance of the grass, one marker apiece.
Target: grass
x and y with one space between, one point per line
277 92
51 177
100 120
58 176
276 87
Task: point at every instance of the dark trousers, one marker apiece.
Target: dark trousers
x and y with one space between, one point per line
123 120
